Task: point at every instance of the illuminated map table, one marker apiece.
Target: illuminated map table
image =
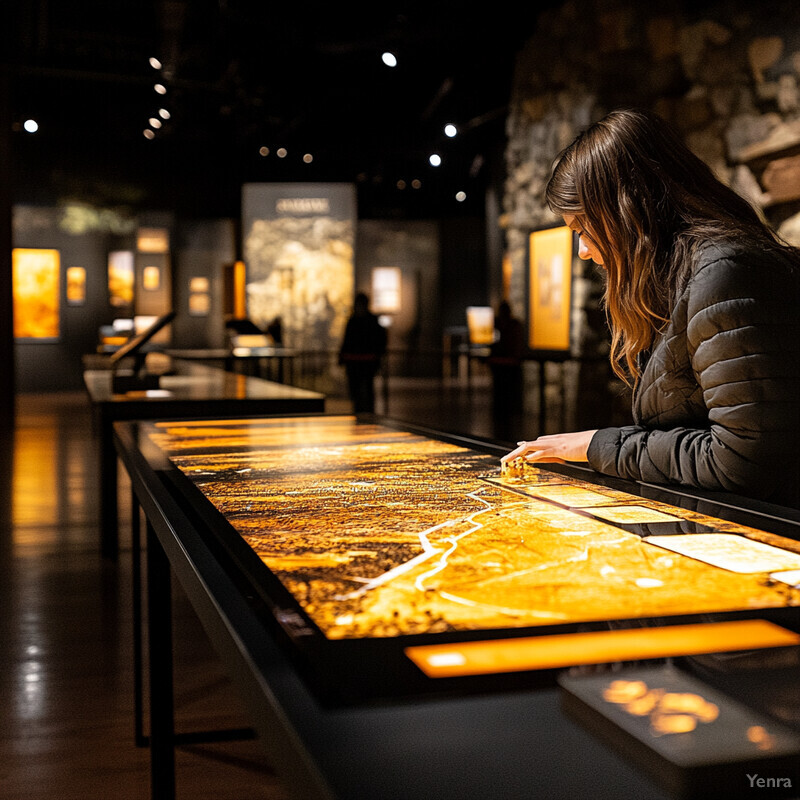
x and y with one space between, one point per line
397 611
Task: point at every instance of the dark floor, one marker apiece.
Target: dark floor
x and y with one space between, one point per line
66 659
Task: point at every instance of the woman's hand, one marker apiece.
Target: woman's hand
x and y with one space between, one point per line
554 447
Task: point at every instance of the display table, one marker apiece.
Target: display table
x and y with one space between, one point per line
403 621
268 362
190 391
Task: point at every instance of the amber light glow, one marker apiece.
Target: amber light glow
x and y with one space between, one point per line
550 276
667 712
36 277
562 650
378 532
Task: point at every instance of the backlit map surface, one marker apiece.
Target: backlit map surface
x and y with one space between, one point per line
378 532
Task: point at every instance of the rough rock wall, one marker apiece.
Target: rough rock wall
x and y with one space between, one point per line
727 74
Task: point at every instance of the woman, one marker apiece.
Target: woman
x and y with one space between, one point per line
703 303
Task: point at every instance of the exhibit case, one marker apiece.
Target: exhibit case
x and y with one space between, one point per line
381 538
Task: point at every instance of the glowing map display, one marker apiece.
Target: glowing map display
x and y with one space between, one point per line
380 532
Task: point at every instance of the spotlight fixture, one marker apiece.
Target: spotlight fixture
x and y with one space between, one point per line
148 133
155 63
30 125
308 158
389 59
450 130
163 113
435 159
281 152
263 151
461 196
160 88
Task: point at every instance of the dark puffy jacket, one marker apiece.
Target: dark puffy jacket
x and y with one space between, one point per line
718 403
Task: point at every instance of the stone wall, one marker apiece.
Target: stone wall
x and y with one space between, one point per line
726 74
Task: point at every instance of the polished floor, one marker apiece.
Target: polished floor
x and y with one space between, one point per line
67 720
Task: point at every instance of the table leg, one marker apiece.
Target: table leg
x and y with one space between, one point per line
109 523
138 671
162 711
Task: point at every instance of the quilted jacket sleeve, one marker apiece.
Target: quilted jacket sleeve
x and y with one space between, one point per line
743 341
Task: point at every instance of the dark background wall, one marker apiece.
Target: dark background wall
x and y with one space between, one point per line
728 74
46 365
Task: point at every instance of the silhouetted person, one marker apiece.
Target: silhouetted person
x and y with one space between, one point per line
362 349
505 362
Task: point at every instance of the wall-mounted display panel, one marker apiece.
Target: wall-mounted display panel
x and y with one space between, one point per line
370 538
151 278
298 244
199 298
36 283
387 290
120 278
152 240
199 284
550 253
480 324
76 286
199 304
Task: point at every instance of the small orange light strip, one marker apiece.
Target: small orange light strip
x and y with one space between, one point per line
599 647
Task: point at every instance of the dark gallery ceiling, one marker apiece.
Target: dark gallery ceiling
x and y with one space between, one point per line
244 78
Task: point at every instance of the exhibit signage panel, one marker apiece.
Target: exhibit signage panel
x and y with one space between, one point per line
298 241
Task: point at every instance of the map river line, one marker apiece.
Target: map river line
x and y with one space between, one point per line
378 532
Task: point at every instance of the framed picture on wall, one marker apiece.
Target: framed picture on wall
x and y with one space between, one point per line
120 279
76 286
550 254
36 282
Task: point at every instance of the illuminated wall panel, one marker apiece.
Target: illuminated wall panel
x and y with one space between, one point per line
298 243
120 278
549 280
76 286
36 280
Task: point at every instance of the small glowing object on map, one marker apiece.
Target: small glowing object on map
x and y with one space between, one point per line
529 473
729 551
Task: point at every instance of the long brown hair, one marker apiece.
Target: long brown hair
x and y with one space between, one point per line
647 202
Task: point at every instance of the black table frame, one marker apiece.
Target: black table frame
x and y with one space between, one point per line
310 745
